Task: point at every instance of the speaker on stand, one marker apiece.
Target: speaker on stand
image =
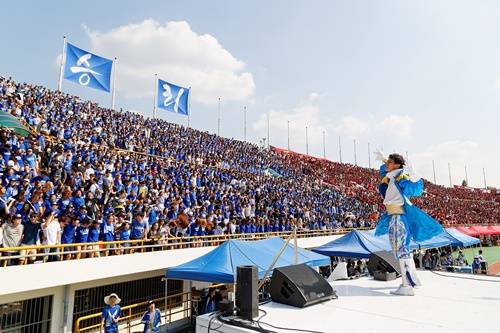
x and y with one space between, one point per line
247 282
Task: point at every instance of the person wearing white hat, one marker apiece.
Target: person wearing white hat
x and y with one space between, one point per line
111 313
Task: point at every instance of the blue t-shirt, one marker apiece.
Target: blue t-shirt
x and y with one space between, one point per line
82 234
138 229
108 232
68 234
93 235
109 313
125 234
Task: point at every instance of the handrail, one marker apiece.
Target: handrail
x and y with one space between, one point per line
128 308
187 240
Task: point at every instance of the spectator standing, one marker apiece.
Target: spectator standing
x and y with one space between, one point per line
52 236
111 314
93 237
151 319
108 232
31 235
13 234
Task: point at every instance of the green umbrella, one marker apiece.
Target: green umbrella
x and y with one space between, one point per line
9 121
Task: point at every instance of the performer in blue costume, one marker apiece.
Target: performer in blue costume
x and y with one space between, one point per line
402 220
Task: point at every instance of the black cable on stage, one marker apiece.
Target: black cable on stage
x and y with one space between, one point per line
259 321
462 277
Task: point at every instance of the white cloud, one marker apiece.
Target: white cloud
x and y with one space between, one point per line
456 152
351 127
395 125
177 54
300 117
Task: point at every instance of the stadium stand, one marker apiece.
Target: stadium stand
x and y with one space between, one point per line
88 174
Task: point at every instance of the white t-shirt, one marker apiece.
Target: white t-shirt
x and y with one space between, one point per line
51 232
392 195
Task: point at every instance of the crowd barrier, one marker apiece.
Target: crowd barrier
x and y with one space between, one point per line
74 251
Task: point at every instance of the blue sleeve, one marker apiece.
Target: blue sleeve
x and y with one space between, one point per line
411 189
144 318
383 170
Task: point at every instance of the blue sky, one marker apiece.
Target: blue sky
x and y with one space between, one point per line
413 76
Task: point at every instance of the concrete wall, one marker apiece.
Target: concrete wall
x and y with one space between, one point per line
61 279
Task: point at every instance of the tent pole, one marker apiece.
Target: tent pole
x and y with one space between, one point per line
278 255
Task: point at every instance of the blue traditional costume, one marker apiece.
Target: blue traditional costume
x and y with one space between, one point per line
403 221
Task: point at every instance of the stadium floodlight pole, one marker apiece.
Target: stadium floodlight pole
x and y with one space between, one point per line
114 85
61 68
484 178
466 176
449 173
268 139
288 134
156 96
324 145
340 150
218 118
307 141
355 155
434 171
369 157
245 123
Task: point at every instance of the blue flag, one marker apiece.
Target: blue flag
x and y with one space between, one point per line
172 98
87 69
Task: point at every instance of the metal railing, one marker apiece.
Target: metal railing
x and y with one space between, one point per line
31 253
178 307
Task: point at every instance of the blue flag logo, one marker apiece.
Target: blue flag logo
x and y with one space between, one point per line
87 69
172 98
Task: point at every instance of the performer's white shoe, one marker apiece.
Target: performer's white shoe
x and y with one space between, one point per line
406 287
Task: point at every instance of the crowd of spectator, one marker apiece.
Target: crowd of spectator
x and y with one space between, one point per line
90 174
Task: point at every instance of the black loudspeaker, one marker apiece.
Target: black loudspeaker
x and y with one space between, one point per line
247 283
300 286
383 266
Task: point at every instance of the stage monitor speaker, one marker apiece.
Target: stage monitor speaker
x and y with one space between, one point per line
300 286
247 283
383 266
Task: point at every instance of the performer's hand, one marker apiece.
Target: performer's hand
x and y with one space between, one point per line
380 156
414 177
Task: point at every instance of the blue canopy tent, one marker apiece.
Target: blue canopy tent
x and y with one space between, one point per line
219 265
360 244
461 239
355 244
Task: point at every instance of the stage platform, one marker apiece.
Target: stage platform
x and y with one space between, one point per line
448 302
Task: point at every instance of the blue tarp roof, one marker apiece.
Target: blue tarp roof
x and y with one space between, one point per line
355 244
219 265
462 240
360 244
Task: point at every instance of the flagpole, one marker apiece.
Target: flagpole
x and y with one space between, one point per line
245 123
61 68
189 107
340 150
324 145
156 96
114 85
307 142
288 134
434 171
268 139
369 157
218 118
449 174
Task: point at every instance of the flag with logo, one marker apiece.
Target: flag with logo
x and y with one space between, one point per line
172 98
87 69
